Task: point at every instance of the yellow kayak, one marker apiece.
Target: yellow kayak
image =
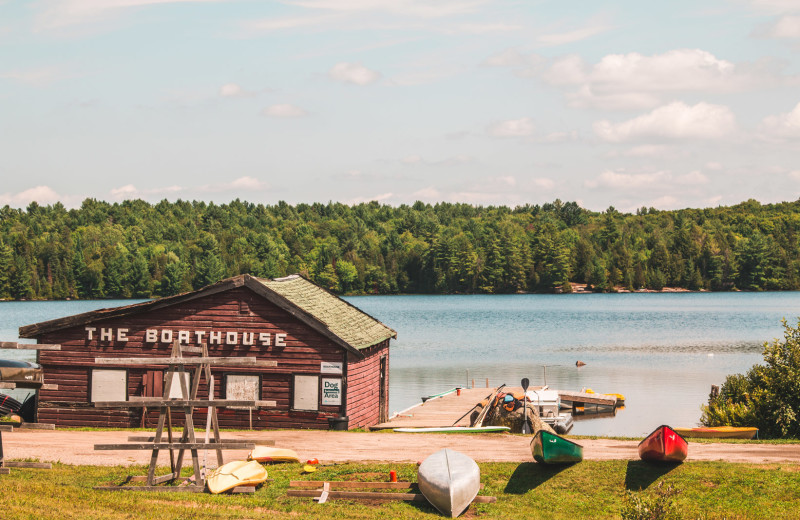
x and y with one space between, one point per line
270 454
620 397
718 432
236 473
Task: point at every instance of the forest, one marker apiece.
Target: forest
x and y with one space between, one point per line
135 249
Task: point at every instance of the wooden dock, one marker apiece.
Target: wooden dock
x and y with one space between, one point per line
582 398
438 412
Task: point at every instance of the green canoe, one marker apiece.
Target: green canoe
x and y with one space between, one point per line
550 448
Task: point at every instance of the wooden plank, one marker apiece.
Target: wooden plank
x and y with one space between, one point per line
582 397
244 489
4 471
369 495
177 446
346 484
7 386
213 361
257 442
6 428
34 465
49 386
28 346
177 489
37 426
173 403
164 478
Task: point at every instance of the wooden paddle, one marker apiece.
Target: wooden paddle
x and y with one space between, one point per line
526 428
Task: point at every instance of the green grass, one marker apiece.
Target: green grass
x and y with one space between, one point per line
591 489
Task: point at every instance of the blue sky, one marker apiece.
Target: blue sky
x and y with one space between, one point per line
624 103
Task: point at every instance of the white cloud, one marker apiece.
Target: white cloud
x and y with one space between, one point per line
617 180
411 8
242 183
783 125
503 180
62 13
543 183
695 178
572 36
37 77
284 110
429 193
280 24
512 128
233 90
380 198
787 26
129 191
353 73
637 81
674 121
43 195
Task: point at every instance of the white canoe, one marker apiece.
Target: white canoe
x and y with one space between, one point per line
449 480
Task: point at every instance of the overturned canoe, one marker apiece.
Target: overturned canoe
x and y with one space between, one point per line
236 473
549 448
449 480
663 445
718 432
270 454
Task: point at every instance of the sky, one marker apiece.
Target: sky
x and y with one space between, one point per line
617 103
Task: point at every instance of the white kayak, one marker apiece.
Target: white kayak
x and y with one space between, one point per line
449 480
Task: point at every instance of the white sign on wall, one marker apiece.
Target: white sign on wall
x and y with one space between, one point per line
332 391
328 367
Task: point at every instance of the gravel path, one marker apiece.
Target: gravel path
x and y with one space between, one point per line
77 447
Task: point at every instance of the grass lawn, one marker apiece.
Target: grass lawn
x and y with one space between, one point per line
590 489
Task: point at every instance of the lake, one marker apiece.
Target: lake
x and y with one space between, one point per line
663 351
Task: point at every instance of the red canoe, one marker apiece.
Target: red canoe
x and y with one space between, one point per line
663 445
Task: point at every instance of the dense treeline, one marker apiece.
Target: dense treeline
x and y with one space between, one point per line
140 250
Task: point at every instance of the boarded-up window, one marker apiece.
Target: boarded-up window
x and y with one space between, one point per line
306 393
109 385
175 391
153 383
242 387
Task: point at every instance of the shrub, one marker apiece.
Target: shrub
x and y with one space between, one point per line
768 396
657 506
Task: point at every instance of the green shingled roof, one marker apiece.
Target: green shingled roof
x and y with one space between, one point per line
351 325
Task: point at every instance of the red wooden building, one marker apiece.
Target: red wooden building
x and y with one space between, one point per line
332 359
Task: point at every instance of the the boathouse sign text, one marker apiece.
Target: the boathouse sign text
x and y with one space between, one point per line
213 337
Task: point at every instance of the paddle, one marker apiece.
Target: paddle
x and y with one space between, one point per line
526 428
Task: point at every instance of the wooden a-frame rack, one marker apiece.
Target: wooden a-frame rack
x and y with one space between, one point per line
188 441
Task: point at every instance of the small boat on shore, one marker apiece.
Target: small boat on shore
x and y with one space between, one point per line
663 445
719 432
271 454
549 448
449 480
236 473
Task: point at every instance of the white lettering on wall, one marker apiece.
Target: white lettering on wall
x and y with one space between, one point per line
264 339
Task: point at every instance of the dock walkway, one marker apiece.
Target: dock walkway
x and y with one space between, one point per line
438 412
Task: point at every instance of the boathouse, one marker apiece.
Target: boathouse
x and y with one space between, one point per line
332 358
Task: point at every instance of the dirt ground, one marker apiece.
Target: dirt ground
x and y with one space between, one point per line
77 447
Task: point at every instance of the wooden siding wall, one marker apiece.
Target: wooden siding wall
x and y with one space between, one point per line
235 310
363 388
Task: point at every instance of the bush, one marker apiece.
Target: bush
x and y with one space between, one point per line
768 396
658 506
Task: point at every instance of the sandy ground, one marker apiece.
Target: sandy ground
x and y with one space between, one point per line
77 447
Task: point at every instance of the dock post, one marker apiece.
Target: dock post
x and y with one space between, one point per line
487 382
473 384
467 378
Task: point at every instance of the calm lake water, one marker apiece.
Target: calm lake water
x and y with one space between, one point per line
662 351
